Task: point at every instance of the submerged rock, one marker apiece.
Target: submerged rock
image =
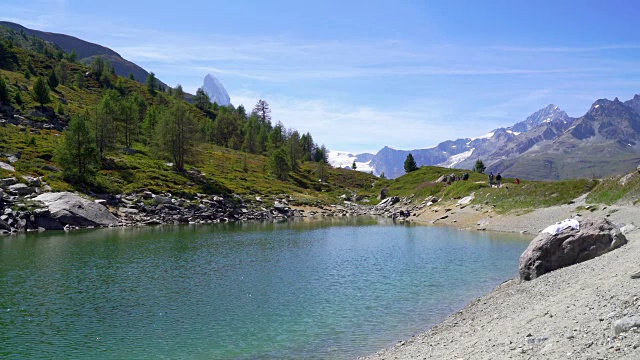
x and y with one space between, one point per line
549 252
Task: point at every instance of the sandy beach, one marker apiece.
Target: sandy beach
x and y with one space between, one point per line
566 314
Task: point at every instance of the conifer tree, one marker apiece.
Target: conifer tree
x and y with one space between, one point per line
77 153
4 92
52 80
278 164
201 100
353 166
104 122
410 164
41 91
177 134
479 167
263 111
151 83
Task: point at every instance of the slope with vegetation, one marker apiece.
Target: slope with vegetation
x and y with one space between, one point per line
122 136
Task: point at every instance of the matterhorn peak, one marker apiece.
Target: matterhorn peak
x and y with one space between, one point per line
216 91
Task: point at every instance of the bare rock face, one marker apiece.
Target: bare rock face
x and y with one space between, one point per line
550 252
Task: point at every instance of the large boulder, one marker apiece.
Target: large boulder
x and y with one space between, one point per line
71 209
548 252
42 219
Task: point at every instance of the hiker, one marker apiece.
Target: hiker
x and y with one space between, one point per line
517 181
491 179
498 179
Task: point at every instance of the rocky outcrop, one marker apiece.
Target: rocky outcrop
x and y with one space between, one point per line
549 252
70 209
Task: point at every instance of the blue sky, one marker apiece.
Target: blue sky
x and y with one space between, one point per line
360 75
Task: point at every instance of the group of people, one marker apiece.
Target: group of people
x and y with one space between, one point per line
402 213
498 179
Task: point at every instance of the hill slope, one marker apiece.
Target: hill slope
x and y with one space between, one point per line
86 51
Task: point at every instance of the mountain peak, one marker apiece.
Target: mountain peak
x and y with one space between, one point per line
216 91
549 113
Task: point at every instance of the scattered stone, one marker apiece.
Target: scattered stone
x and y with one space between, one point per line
20 189
7 167
625 324
8 182
466 200
162 200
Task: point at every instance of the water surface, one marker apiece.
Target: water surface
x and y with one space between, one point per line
335 288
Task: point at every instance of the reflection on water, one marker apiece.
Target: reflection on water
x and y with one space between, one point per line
331 288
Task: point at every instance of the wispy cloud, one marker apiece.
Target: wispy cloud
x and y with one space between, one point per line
562 49
359 94
363 128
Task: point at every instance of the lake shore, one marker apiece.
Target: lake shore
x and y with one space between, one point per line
566 314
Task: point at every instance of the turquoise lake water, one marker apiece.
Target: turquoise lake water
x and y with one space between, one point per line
326 289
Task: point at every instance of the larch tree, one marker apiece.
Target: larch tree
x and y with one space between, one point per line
177 134
77 153
104 122
279 165
295 150
201 100
263 111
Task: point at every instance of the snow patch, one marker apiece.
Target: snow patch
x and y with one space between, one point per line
513 132
456 159
343 159
486 136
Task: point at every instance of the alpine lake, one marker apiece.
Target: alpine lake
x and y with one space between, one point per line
332 288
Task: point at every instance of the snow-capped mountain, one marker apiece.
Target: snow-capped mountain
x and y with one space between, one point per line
548 114
501 143
216 91
547 145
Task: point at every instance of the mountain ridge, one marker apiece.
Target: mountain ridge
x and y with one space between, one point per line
544 146
86 51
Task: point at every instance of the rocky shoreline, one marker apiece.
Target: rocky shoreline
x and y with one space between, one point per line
25 208
28 205
589 310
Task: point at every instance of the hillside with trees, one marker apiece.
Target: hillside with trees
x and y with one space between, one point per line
84 128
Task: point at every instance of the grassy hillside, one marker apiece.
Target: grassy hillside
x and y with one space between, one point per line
528 195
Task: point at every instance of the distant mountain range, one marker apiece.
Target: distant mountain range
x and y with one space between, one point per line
548 145
86 51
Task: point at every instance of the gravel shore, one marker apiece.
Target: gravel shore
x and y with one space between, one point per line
566 314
